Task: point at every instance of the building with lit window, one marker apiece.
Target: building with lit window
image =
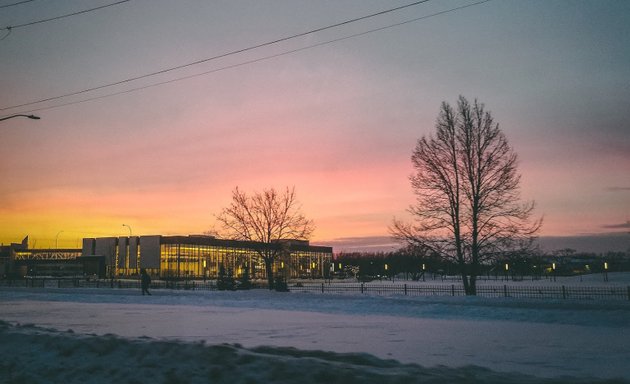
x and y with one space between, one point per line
197 257
17 260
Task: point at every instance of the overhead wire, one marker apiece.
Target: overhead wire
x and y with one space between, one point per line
18 3
9 29
248 62
64 16
242 50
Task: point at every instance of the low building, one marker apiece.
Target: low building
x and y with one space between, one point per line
17 260
7 257
201 257
167 257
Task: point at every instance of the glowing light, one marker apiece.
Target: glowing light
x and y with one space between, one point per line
605 265
507 266
386 267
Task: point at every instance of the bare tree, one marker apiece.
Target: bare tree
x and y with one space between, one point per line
466 184
267 217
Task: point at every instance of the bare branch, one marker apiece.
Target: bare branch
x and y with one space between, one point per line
267 217
467 191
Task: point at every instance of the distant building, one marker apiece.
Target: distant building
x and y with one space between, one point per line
7 252
179 257
17 260
198 257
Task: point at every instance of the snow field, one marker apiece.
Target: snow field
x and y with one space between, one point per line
108 335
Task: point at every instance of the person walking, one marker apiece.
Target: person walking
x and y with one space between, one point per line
145 281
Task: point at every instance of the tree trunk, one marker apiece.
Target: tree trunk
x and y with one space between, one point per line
472 285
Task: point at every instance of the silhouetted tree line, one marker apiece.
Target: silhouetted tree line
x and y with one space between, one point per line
412 263
409 263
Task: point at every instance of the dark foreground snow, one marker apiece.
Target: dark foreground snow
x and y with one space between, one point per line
36 355
108 336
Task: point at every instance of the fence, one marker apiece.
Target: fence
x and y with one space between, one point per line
514 291
539 292
84 283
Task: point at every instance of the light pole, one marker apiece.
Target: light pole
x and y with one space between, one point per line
57 239
20 115
125 225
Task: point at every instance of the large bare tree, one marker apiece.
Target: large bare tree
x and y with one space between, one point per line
468 206
267 217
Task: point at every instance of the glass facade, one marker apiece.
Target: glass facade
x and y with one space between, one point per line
171 257
203 260
202 257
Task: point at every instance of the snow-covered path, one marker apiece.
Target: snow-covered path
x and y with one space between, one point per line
546 339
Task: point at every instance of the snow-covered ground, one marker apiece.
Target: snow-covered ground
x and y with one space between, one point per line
258 336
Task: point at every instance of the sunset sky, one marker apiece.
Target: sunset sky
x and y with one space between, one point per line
335 119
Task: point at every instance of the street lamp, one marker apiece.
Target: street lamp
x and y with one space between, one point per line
125 225
14 116
57 239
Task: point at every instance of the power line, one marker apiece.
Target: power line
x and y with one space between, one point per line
62 16
242 50
18 3
260 59
264 58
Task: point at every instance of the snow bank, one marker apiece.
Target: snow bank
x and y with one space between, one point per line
263 336
36 355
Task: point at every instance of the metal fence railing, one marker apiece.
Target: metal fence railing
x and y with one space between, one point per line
105 283
516 291
571 292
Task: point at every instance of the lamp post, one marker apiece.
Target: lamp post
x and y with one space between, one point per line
125 225
57 239
424 271
33 117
